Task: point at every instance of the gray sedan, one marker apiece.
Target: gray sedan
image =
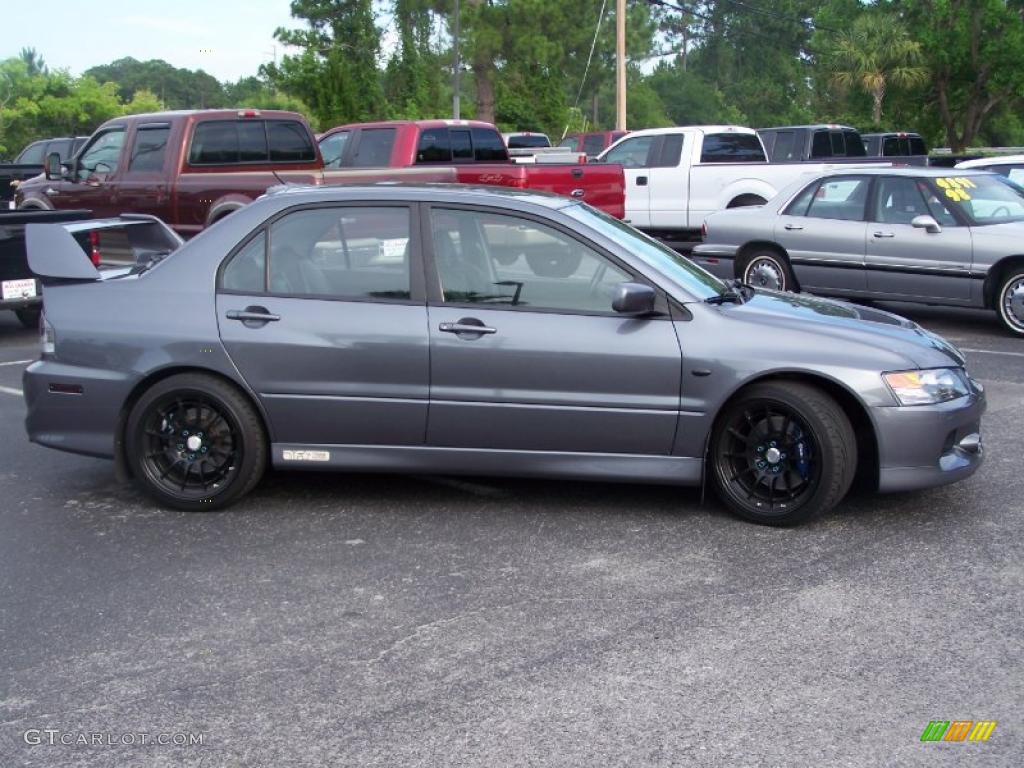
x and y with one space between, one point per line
936 236
467 331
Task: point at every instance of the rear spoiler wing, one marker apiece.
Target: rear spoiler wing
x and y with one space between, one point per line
55 255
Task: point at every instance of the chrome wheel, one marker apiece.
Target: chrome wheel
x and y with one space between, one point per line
1011 303
765 272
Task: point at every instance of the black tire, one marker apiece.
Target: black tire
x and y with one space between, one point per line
559 263
766 268
782 417
199 431
28 317
1010 302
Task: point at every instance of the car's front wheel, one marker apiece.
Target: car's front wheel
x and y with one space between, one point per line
194 442
782 452
1010 302
765 268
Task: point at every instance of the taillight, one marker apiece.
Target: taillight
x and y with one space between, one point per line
47 336
94 248
248 113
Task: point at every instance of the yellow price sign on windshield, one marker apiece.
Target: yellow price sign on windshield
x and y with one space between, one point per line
956 187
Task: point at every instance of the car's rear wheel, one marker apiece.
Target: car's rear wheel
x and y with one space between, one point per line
194 442
782 452
1010 302
28 317
765 268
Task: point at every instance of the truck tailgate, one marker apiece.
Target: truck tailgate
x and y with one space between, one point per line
601 185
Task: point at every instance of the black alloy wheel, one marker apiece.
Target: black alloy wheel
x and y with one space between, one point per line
782 453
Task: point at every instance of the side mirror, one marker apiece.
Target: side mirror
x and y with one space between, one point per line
634 299
53 166
927 223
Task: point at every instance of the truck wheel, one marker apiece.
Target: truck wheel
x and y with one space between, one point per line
1010 302
558 264
781 453
766 268
28 317
194 442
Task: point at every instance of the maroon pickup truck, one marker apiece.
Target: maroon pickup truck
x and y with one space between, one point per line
475 150
189 168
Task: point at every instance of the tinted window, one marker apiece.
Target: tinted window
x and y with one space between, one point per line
890 146
32 154
434 147
821 145
631 153
462 145
77 144
671 149
898 201
840 199
917 146
62 147
854 145
344 252
502 260
522 141
332 148
593 143
488 146
149 149
102 155
785 147
374 148
731 148
224 142
246 272
289 142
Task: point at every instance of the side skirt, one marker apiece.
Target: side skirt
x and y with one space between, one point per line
613 467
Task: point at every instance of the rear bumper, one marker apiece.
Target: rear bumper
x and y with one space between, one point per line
926 446
80 423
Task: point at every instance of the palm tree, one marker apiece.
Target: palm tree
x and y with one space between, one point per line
876 52
33 61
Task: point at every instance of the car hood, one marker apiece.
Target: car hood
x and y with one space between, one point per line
848 323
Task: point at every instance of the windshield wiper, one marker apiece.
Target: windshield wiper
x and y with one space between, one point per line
738 292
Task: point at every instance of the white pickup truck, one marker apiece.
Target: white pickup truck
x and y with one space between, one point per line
675 177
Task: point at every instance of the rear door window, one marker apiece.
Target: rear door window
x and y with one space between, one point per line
731 148
149 149
32 154
374 148
227 142
670 151
785 147
434 146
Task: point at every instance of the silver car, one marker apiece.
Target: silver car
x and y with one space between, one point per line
936 236
470 331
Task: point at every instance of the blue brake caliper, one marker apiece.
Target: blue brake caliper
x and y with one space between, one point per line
803 456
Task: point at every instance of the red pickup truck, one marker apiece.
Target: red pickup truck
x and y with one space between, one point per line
475 150
189 168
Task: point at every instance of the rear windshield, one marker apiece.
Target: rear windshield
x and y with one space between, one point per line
229 142
32 154
732 148
531 140
593 143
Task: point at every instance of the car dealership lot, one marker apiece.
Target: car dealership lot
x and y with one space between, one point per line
376 620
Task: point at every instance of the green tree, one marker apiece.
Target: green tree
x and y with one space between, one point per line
34 63
876 53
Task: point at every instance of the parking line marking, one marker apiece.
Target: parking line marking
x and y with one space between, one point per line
992 352
18 362
12 391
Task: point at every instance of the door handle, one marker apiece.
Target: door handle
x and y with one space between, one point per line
792 227
884 234
641 181
252 315
464 327
578 192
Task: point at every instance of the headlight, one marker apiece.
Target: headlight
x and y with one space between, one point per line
927 387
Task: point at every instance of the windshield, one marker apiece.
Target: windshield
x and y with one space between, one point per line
701 283
982 199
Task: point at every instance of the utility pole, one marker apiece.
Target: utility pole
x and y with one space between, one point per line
620 65
456 66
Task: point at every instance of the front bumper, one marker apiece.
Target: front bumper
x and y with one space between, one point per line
716 259
927 445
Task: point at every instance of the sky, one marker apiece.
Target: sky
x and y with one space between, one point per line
228 39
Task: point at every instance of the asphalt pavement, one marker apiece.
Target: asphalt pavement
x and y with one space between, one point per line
342 620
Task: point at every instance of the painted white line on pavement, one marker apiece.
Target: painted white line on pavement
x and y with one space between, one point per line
18 362
12 391
992 352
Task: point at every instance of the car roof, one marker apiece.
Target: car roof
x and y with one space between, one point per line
993 160
900 134
416 192
812 127
432 123
931 173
